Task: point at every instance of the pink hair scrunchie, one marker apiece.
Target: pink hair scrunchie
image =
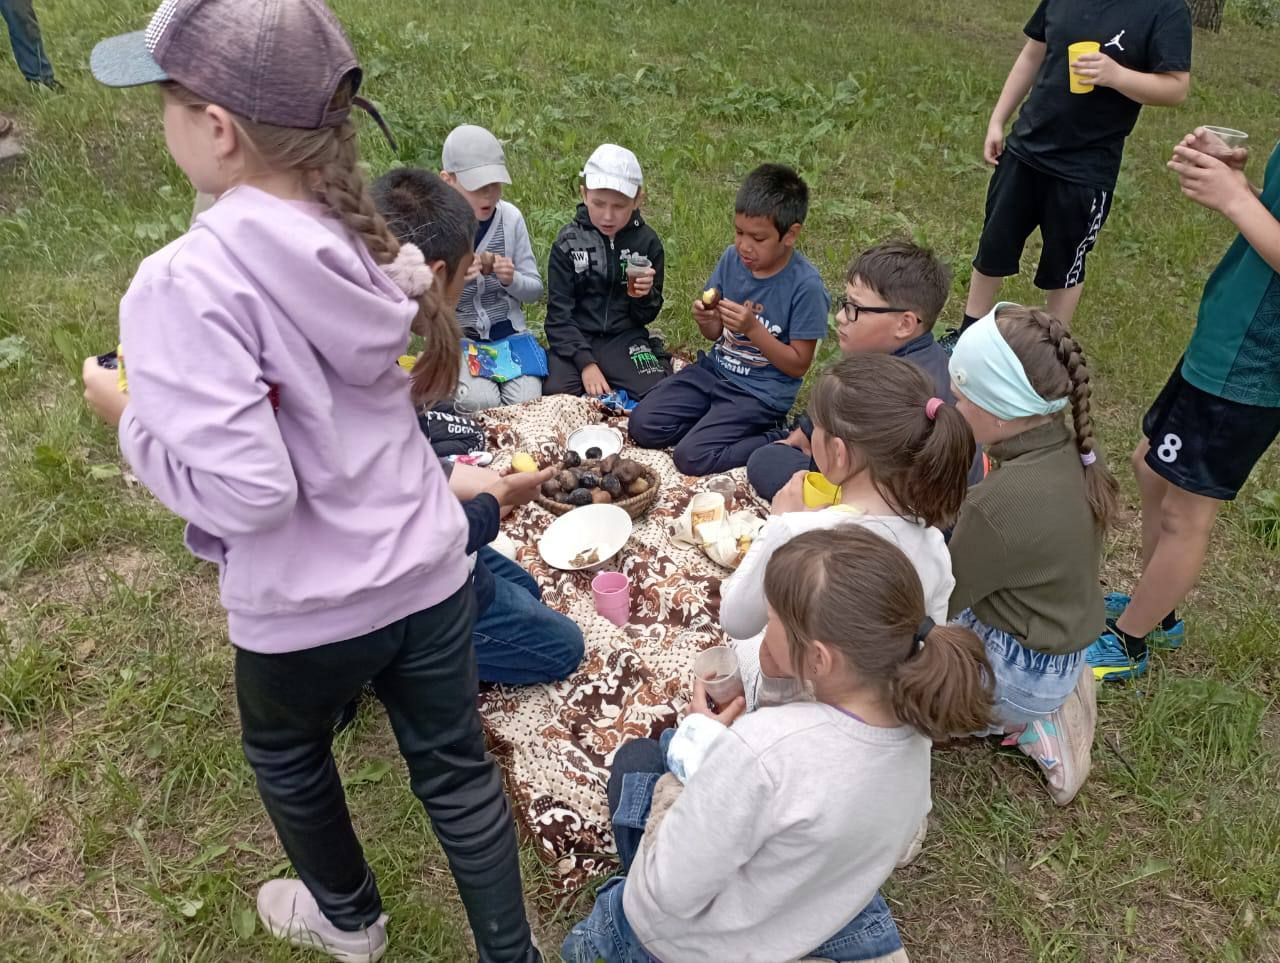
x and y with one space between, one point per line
931 408
410 271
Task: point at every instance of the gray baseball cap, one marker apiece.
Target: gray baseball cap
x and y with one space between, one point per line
475 157
273 61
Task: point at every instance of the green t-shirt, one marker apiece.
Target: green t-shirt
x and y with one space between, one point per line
1235 349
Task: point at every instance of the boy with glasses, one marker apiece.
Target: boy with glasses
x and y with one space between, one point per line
893 294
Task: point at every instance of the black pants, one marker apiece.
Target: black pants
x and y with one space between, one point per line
631 360
423 669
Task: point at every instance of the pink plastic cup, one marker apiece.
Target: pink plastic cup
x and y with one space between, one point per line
611 592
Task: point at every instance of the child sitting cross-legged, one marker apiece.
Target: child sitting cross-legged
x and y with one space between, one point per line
898 456
795 815
518 640
1028 543
771 315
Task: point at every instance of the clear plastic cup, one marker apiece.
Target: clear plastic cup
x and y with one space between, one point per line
717 668
637 267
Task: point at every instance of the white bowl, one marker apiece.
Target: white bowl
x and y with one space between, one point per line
605 528
608 440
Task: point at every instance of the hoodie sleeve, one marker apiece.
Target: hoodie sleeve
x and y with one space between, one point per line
743 611
483 517
645 310
526 286
199 430
563 336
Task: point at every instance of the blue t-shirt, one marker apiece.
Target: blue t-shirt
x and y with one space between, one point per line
792 305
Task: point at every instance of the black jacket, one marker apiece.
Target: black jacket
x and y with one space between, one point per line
587 285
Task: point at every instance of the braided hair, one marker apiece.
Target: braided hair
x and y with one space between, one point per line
329 160
1056 367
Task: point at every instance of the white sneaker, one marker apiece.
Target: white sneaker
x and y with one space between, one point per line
1079 719
289 912
915 846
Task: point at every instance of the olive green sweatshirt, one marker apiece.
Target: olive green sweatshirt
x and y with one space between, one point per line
1025 551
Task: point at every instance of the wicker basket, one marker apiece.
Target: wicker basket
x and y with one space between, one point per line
635 505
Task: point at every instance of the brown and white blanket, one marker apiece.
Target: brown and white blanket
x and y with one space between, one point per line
555 742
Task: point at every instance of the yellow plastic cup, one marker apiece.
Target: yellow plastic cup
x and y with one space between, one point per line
1074 53
819 492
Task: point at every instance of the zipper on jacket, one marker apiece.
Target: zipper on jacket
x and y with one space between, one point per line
610 281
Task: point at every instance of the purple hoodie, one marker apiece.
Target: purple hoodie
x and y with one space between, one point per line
329 517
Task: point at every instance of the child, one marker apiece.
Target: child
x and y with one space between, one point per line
780 839
266 407
900 457
767 325
597 321
1216 416
503 277
518 640
1058 170
893 293
1028 545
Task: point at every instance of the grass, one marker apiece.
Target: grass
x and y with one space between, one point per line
128 819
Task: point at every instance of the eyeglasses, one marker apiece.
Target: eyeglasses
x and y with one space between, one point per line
847 307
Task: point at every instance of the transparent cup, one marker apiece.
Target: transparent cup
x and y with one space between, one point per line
721 677
637 267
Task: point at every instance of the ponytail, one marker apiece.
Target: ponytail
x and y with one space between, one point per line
1056 367
860 596
944 689
917 450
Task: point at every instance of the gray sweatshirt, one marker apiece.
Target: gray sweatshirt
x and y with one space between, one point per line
784 834
485 302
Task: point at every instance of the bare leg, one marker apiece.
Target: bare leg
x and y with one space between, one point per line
1062 303
1153 489
1186 522
982 294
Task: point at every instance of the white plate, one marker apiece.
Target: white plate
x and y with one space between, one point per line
608 440
602 527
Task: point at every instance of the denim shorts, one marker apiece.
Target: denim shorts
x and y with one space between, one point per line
1028 685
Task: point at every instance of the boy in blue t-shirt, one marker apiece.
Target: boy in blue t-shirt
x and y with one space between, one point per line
771 315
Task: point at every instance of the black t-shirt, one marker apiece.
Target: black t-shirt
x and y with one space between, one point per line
1080 137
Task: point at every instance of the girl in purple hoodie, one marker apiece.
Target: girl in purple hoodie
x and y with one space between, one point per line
266 408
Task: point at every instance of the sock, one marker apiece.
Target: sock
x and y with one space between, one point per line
969 319
1135 646
1169 621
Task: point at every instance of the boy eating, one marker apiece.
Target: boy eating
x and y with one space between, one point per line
766 310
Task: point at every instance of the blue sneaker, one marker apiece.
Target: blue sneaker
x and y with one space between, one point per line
1159 638
1111 662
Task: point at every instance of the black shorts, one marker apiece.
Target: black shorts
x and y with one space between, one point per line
1021 198
1204 444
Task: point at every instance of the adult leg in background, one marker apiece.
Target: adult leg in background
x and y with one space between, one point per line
429 690
518 640
24 36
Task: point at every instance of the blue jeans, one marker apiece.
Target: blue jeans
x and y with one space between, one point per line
1028 685
606 935
518 640
714 424
24 35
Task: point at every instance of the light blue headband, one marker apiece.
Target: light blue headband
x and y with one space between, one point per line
988 373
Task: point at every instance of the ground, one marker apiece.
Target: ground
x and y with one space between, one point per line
129 822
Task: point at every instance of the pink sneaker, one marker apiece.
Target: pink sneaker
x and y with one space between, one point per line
289 912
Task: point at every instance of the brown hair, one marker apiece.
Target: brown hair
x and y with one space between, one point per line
328 155
857 593
876 404
906 275
1055 365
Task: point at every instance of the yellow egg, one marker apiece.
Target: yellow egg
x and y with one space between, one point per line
523 461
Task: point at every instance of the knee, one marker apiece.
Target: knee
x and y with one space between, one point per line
477 394
763 469
692 457
569 651
522 389
1187 516
643 428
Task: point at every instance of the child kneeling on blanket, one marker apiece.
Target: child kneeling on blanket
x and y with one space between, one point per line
794 817
518 640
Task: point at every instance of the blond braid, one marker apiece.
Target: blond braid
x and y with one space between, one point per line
342 186
1062 372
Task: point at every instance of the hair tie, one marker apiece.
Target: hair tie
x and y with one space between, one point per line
931 408
410 271
1088 458
923 630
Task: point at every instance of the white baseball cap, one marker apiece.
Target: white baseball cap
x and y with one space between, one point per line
474 156
613 168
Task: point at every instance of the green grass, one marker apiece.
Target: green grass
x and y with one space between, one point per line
129 823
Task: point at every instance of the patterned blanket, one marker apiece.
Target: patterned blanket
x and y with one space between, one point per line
555 742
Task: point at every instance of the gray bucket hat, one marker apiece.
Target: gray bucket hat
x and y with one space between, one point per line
273 61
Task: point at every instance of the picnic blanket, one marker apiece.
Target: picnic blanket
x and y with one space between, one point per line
555 742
